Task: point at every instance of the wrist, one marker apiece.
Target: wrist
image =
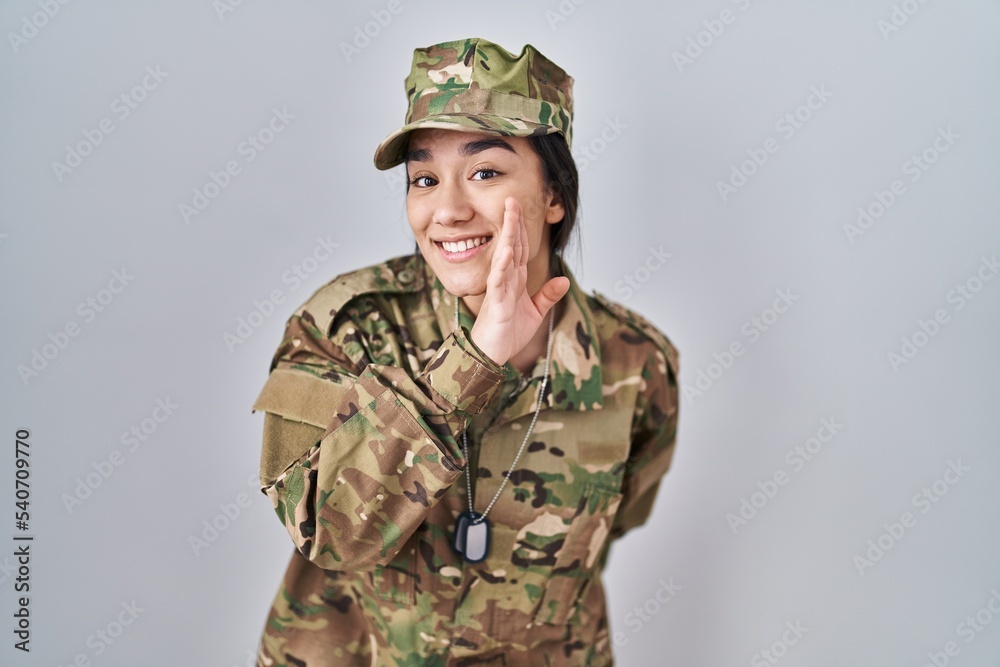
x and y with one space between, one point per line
485 348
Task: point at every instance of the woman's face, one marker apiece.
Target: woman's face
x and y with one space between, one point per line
458 183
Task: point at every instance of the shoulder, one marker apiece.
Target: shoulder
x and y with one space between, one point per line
400 274
639 325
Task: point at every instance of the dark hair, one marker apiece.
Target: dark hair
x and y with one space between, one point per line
560 174
562 179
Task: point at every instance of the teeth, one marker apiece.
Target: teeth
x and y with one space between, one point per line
462 246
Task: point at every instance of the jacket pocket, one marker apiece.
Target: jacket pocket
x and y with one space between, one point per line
395 581
576 560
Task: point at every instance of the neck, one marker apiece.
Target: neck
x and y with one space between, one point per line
537 348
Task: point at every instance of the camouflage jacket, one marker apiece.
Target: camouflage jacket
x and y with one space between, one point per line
362 458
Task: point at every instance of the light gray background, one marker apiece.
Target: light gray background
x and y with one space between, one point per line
653 186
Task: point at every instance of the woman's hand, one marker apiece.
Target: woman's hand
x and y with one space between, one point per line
509 316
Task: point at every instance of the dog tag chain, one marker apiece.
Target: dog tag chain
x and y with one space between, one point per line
472 529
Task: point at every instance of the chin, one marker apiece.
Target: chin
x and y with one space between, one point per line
463 288
462 280
459 281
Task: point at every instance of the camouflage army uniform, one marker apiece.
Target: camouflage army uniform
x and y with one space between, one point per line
365 404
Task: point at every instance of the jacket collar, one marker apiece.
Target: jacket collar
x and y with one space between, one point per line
575 379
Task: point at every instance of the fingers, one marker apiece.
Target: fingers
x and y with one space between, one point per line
508 273
498 273
510 216
550 294
525 246
509 250
514 218
521 247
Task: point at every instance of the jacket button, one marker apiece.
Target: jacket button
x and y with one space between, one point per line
405 276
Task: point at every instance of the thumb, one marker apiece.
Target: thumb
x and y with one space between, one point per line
550 293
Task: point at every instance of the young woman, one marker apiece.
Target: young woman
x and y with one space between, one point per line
454 438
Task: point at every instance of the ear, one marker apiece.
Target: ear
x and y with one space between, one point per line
555 211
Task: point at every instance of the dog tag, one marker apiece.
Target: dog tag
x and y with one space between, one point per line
477 540
472 540
461 527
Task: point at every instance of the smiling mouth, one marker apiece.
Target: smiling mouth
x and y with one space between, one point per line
461 246
461 250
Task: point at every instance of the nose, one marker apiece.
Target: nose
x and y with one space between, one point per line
451 203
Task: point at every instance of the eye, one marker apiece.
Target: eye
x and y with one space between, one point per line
413 181
487 170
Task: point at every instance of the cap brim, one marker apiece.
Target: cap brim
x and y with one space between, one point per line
391 151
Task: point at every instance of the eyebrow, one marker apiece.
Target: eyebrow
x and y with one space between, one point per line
465 150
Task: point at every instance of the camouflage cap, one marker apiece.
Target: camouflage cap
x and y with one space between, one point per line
474 85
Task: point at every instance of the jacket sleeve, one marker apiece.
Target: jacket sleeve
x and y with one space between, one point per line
654 431
356 453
